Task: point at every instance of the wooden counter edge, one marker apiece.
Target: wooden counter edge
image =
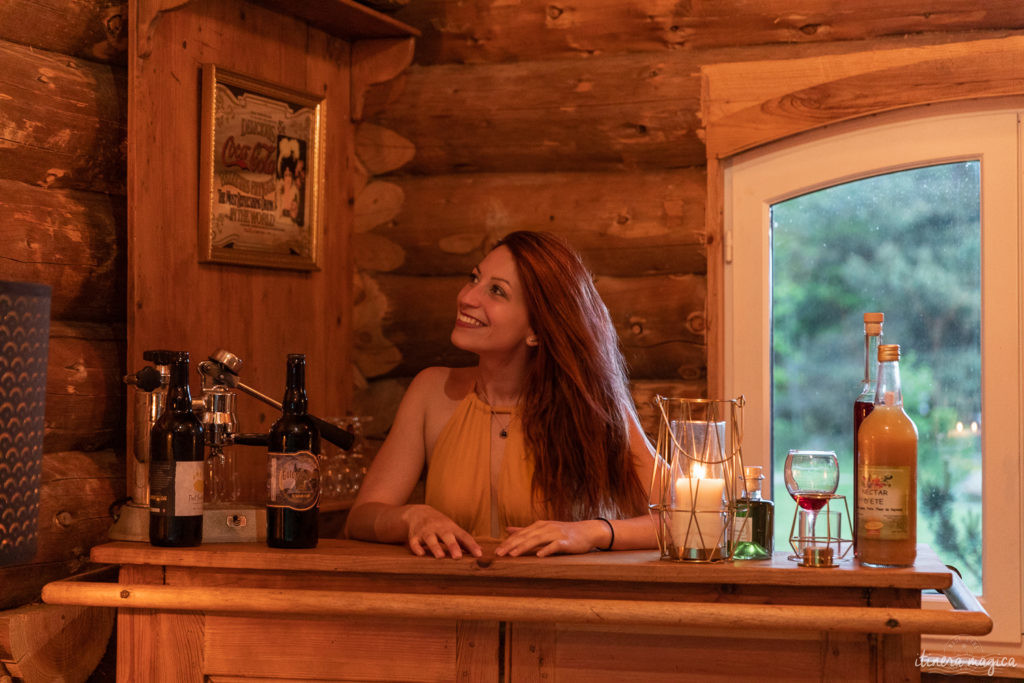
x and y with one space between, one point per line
343 556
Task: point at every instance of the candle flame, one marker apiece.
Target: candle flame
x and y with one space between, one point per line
698 471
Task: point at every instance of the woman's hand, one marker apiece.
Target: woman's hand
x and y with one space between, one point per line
431 530
550 538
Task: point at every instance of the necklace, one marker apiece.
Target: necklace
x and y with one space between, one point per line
503 433
503 428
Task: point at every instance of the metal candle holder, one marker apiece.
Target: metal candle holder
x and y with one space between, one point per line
693 493
814 549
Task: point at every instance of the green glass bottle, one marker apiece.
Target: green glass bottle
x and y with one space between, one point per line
753 527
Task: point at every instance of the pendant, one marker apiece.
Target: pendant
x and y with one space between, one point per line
503 433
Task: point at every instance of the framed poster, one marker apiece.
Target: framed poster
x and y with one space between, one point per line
261 173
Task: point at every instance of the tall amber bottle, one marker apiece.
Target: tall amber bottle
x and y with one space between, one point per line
865 402
886 534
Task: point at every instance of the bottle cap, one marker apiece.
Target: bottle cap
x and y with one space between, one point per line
873 324
888 352
752 472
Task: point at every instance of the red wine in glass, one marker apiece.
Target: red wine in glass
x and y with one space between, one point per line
811 479
811 500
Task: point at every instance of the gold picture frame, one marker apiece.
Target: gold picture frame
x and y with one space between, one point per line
261 173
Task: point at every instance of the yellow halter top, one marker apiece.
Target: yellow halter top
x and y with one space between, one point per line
459 474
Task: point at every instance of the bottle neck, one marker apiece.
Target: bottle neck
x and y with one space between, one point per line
871 342
179 398
295 402
889 392
752 489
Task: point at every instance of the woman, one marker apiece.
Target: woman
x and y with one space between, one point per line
539 440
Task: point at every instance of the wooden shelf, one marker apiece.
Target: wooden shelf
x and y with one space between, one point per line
343 18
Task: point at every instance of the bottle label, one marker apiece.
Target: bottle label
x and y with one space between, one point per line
293 480
176 488
882 510
743 525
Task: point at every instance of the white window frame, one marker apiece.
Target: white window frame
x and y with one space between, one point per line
756 180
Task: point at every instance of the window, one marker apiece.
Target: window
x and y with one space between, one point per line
767 195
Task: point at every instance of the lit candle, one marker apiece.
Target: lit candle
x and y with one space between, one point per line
699 505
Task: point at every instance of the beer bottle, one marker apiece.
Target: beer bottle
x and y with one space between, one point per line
176 466
293 467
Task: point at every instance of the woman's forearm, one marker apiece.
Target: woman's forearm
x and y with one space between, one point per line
379 522
635 533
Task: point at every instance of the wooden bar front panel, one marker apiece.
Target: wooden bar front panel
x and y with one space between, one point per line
170 645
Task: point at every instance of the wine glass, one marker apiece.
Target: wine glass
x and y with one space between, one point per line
811 479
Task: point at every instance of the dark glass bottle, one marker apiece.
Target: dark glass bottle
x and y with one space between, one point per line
866 401
176 466
754 526
293 467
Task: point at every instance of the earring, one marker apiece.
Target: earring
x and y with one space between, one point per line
532 341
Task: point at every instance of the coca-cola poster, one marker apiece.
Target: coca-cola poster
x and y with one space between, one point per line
261 177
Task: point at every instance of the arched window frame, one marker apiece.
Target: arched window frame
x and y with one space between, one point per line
752 106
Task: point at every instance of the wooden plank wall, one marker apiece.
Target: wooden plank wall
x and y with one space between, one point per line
581 119
62 222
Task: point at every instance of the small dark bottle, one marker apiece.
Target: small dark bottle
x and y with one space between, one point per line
754 521
293 467
176 466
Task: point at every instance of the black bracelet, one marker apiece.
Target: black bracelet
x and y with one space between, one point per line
611 529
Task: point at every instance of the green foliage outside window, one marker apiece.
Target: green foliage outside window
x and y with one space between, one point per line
907 244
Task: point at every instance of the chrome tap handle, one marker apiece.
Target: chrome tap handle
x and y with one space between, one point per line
223 368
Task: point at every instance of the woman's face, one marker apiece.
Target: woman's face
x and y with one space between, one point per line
491 308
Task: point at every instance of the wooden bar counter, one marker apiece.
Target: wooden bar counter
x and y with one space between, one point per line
357 611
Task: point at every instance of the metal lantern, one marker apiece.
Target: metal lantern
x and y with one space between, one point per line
693 492
24 339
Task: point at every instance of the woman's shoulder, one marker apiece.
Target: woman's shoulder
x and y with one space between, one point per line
438 391
438 383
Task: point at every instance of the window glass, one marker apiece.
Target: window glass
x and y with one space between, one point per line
908 244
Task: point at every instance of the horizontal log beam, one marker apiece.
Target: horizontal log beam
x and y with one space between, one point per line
82 28
54 642
613 111
74 508
85 397
659 319
63 123
624 224
77 491
72 241
487 31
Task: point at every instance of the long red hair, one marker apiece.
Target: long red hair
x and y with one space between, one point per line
576 405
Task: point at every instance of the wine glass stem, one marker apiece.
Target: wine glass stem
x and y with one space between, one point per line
808 533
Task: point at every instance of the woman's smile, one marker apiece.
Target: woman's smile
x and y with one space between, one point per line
466 320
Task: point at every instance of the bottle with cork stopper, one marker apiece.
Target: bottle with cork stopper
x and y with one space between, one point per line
753 527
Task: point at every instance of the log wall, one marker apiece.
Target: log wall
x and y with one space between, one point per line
63 223
583 119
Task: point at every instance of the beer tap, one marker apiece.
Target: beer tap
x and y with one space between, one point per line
222 369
